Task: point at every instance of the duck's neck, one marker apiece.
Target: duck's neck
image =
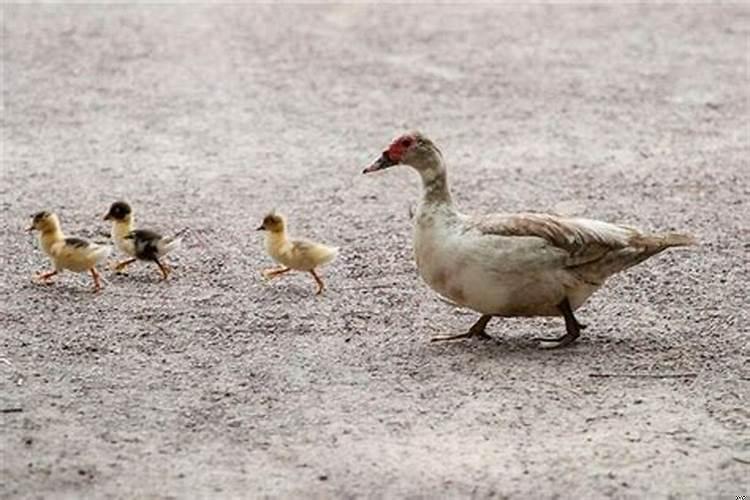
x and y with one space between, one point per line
435 190
49 237
276 240
120 228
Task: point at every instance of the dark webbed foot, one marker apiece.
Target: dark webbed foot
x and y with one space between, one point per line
476 331
572 326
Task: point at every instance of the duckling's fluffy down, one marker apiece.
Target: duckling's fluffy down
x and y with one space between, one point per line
78 255
306 255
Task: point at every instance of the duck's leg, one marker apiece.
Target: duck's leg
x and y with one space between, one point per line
477 330
163 268
97 282
44 277
272 273
572 327
321 285
120 266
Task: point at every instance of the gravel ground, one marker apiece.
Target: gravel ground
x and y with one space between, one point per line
218 384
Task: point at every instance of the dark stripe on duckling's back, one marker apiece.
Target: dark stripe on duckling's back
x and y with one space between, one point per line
146 244
76 242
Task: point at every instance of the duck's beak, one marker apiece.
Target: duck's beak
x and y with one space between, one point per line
29 229
380 164
107 217
260 228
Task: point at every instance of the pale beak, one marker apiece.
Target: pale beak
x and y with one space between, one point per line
107 217
380 164
29 229
260 228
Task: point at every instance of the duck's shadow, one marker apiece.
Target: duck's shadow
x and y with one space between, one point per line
499 346
138 277
286 290
61 288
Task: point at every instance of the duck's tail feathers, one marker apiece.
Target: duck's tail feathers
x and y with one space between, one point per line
173 242
680 240
101 253
659 242
328 254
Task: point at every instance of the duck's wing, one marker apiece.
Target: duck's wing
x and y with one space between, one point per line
593 249
584 240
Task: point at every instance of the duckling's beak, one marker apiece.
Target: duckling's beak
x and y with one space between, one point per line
260 228
380 164
30 228
107 217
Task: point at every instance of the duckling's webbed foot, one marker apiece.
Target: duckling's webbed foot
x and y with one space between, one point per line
476 331
572 327
44 278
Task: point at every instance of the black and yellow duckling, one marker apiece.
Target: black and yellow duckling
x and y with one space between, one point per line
138 244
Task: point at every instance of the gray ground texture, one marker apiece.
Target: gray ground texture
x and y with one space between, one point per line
217 383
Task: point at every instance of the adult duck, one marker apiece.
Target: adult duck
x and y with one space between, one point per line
524 264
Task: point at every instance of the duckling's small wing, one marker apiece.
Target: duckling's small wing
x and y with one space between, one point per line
312 254
76 242
146 243
144 235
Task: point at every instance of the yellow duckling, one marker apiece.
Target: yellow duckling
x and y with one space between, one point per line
74 254
300 255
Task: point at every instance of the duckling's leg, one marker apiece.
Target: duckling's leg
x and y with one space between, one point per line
163 268
120 266
477 330
44 277
272 273
321 285
572 327
97 282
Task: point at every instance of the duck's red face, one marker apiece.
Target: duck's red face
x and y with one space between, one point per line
393 155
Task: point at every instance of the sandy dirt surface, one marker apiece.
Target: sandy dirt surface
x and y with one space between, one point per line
216 384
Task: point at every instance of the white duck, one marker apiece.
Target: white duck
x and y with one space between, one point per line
524 264
74 254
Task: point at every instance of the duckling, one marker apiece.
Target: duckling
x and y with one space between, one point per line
74 254
524 264
139 244
298 254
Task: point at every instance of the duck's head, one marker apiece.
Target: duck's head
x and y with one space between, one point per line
272 222
44 221
119 211
413 149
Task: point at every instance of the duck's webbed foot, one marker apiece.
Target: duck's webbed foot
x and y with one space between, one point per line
572 326
476 331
